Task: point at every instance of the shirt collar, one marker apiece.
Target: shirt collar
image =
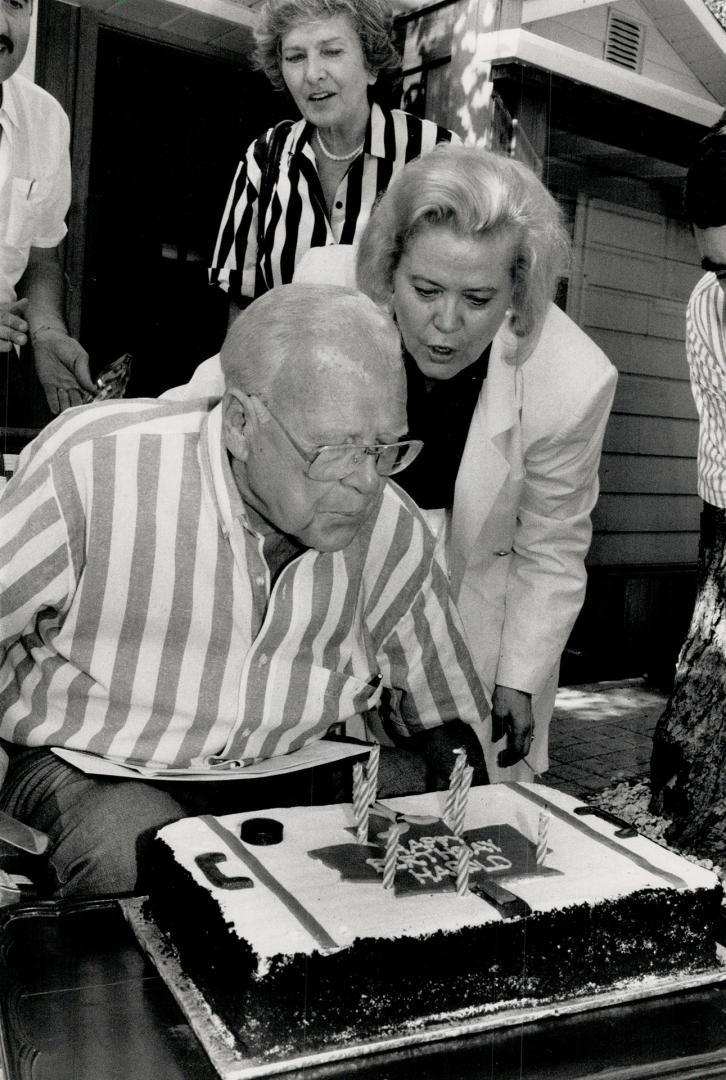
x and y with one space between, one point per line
9 106
374 144
217 472
301 134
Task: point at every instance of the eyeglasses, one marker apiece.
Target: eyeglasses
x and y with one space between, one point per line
335 461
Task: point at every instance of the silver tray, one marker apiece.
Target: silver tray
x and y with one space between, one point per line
233 1064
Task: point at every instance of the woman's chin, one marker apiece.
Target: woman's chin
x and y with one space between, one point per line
441 367
318 113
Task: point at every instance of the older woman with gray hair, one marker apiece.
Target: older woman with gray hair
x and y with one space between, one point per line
511 400
313 183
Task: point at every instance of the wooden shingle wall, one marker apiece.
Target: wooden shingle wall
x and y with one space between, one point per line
636 271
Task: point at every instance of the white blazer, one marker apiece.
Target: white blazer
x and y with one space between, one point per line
520 525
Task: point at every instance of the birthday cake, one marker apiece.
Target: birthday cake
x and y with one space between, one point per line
297 933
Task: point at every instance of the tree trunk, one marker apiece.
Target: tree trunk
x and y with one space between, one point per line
688 765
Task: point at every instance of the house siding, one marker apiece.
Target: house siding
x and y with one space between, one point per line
617 173
637 273
586 32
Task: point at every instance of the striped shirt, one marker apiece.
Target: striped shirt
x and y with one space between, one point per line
138 619
296 218
706 351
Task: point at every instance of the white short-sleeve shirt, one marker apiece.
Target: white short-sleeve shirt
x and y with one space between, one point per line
35 177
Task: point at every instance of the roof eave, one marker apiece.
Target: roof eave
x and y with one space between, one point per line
528 48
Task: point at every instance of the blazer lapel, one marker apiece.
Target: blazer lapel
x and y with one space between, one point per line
485 463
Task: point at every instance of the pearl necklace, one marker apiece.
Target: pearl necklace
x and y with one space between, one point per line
338 157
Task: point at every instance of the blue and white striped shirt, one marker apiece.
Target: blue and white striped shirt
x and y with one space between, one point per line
296 218
706 351
138 619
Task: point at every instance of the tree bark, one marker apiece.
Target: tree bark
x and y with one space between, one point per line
688 764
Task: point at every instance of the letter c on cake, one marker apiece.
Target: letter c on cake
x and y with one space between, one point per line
208 864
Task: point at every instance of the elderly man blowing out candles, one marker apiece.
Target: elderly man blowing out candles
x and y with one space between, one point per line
182 583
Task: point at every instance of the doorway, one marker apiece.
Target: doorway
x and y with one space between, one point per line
169 128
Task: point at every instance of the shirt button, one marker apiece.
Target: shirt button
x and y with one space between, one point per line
507 552
259 580
339 205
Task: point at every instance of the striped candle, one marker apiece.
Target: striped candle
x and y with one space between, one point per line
543 831
462 797
391 857
463 862
360 806
372 774
454 782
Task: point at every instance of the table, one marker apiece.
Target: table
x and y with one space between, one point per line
79 1001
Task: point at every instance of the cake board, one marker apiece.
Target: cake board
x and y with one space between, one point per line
232 1063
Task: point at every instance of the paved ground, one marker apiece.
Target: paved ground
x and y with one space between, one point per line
602 732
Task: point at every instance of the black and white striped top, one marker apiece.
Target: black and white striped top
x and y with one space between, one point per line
296 218
706 351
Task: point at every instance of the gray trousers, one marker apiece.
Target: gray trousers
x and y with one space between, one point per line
100 827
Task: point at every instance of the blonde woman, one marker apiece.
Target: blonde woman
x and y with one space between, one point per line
511 400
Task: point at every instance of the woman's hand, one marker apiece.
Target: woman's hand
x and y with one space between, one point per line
512 716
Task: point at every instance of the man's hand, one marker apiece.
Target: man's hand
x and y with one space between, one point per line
13 325
62 367
61 364
512 716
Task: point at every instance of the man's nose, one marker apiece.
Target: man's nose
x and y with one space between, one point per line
446 314
365 476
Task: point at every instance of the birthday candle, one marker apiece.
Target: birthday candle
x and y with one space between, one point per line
462 797
360 806
357 780
542 836
389 864
454 782
372 774
463 861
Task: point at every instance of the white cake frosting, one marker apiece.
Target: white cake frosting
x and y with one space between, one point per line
585 863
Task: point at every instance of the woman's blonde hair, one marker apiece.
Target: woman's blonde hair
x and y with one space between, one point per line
473 192
372 21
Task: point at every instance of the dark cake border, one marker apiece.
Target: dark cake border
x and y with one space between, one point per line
368 988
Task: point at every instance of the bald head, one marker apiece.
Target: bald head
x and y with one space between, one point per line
302 340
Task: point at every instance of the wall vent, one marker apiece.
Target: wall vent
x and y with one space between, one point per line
624 41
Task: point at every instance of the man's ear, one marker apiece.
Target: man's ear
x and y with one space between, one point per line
237 415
